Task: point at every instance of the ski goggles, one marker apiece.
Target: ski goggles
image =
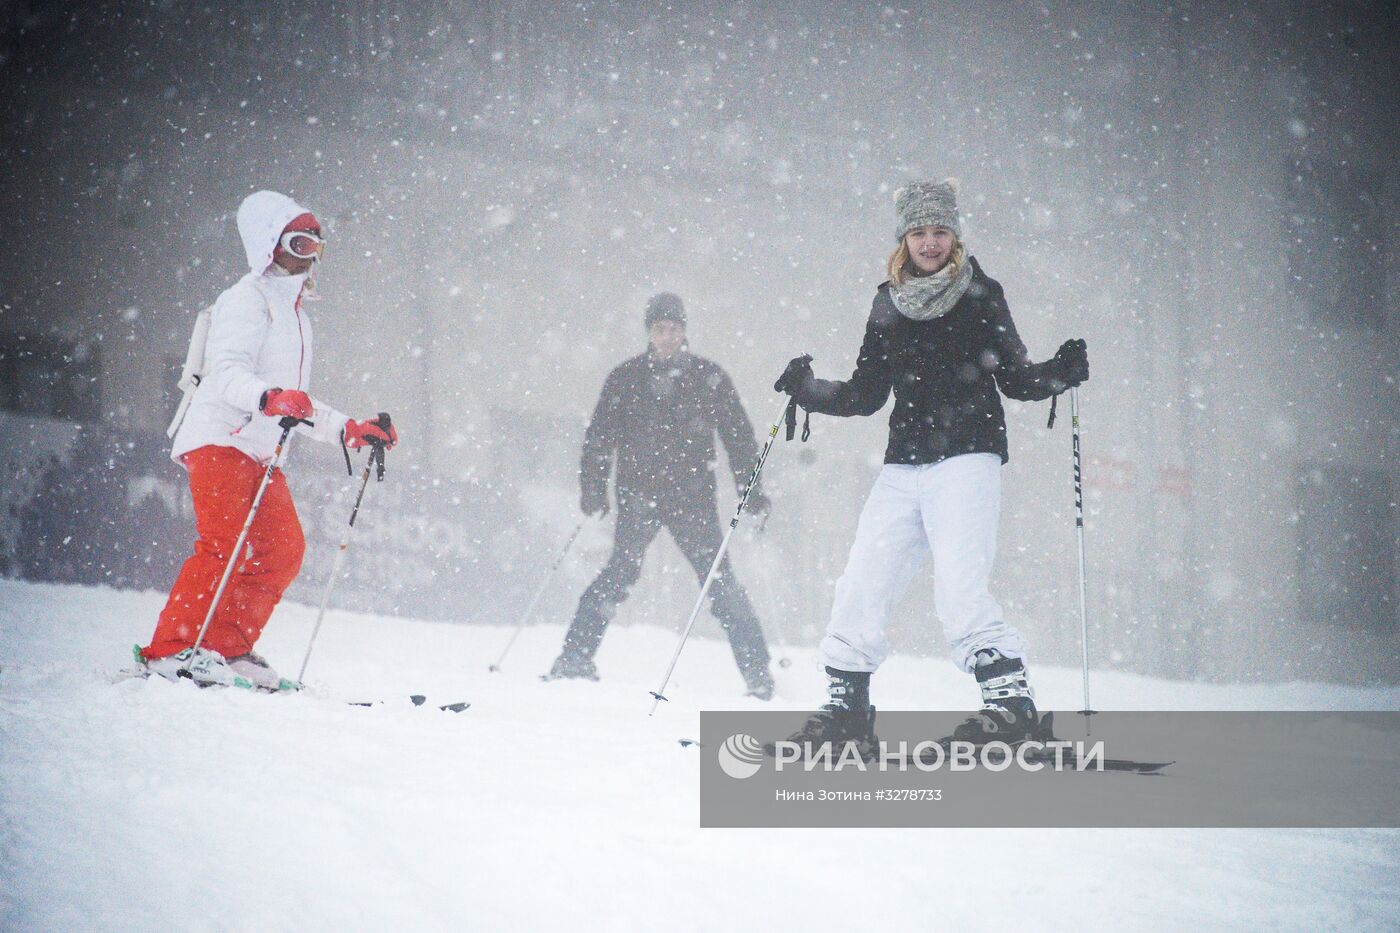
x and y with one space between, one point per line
302 245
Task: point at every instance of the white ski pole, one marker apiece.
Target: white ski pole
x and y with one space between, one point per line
539 591
287 424
1079 529
376 460
660 692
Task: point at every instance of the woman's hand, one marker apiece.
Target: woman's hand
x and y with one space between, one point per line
362 433
1071 363
286 403
795 378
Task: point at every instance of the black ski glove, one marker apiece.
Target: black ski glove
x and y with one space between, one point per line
796 377
594 501
1070 365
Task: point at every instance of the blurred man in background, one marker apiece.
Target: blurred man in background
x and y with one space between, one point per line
657 418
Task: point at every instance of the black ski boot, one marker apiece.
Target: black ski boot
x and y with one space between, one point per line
571 667
847 717
1008 711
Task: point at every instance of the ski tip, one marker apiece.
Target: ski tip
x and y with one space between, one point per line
417 699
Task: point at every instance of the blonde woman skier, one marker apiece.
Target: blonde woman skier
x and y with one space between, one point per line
941 338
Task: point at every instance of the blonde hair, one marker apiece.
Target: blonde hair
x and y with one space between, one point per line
900 266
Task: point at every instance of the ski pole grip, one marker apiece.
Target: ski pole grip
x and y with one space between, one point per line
385 424
288 422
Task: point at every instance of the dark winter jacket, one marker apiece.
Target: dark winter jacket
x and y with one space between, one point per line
660 418
944 372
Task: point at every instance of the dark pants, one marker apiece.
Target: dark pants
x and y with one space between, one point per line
694 525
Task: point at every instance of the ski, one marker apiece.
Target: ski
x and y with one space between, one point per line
1138 767
1068 761
417 699
140 673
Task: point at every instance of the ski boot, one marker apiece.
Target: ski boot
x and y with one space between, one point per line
571 667
206 668
1008 711
846 717
252 667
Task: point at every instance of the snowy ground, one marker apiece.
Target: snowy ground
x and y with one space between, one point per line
150 805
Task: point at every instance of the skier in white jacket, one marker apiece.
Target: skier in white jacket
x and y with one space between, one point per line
257 370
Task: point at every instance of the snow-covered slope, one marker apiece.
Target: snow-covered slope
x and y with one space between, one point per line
559 806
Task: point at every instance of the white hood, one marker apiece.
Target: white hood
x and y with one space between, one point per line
258 337
262 217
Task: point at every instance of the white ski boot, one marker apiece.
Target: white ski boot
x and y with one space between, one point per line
254 668
206 668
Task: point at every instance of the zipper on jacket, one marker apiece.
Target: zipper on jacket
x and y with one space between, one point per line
301 359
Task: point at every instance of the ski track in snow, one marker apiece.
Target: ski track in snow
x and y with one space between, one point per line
150 805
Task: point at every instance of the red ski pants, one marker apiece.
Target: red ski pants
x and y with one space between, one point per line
224 481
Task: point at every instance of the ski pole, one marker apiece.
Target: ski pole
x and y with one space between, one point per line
530 607
376 462
287 423
1079 529
789 405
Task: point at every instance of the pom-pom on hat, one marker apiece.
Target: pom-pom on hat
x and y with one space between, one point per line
927 204
665 306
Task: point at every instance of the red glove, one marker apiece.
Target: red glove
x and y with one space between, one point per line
287 403
361 433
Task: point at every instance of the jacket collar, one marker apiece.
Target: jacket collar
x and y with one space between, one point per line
282 289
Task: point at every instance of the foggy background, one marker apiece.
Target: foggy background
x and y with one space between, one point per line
1205 192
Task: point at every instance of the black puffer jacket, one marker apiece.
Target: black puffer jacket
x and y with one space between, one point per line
660 418
944 374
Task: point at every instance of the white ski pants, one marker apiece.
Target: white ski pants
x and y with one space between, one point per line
950 508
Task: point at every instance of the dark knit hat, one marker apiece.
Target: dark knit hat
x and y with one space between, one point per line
665 307
927 204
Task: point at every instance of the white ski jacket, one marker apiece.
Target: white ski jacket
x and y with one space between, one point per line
259 339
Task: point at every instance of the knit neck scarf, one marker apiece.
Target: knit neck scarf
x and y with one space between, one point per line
925 297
